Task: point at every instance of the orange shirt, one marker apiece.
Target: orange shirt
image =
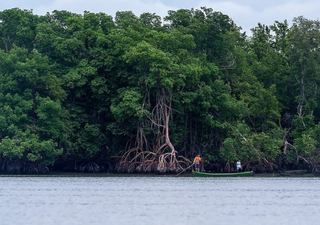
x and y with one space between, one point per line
197 160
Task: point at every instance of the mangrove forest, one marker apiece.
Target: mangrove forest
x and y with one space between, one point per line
144 94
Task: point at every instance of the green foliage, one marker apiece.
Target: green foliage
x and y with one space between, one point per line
228 152
17 28
10 148
30 108
79 87
127 106
88 141
27 145
306 145
268 144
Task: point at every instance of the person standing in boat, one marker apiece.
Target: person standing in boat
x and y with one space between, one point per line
239 167
196 163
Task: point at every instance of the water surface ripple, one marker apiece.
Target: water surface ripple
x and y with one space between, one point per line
158 200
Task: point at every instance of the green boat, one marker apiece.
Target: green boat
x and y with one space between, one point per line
240 174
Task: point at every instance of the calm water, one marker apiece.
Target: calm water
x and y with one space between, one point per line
158 200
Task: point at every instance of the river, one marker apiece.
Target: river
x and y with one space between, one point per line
158 200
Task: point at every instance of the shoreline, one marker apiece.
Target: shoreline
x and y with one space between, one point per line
186 174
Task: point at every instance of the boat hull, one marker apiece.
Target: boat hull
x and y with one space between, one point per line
240 174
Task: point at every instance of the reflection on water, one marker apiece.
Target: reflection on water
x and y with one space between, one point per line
158 200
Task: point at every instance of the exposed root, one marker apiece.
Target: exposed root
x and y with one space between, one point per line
135 160
168 162
264 166
160 156
227 167
90 167
21 167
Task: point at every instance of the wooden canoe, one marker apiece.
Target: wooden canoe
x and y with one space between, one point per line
240 174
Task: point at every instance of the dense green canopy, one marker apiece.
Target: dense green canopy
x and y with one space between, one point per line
146 94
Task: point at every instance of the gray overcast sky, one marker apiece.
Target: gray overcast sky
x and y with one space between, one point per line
245 13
